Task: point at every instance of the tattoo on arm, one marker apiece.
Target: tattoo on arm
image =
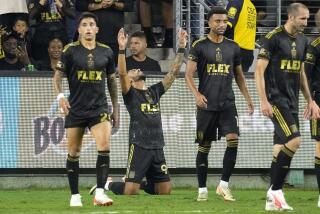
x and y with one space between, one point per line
173 73
57 81
113 89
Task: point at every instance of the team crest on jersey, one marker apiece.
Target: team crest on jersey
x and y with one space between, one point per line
218 55
263 52
309 57
293 50
90 62
148 96
232 12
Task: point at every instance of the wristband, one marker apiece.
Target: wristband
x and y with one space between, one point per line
60 95
122 51
181 50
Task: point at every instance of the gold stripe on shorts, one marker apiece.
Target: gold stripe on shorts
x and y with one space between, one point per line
129 160
281 121
314 127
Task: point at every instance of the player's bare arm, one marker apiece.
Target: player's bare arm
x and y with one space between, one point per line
201 101
265 106
113 91
123 74
175 68
57 83
241 82
312 109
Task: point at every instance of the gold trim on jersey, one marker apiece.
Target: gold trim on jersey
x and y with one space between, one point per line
315 42
199 40
273 32
129 160
102 45
72 44
282 122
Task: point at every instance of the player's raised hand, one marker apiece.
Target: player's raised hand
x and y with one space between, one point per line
266 109
122 39
183 38
201 100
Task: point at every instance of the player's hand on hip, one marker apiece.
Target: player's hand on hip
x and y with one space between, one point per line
201 100
122 39
266 109
250 108
64 106
115 118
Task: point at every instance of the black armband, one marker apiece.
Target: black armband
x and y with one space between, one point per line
181 50
122 51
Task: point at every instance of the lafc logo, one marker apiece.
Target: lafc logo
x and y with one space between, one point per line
89 75
217 68
150 108
290 65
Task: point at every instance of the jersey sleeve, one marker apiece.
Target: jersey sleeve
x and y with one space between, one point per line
234 9
267 47
128 96
158 88
110 68
194 53
310 61
64 65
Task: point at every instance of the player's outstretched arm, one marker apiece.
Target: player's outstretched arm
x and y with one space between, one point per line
265 106
241 82
175 68
123 74
312 109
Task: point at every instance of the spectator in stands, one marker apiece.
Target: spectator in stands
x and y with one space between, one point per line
16 57
243 29
21 28
49 15
54 50
2 32
9 10
139 58
167 14
111 18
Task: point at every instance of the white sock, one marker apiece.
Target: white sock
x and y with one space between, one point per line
99 191
106 186
75 195
224 183
203 189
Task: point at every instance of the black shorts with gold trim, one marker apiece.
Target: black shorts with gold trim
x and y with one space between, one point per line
149 163
315 123
286 125
211 125
75 122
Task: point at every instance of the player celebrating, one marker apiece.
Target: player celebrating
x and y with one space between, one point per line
217 60
87 63
279 76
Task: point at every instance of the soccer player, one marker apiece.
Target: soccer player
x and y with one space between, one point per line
279 75
217 60
86 64
146 157
312 67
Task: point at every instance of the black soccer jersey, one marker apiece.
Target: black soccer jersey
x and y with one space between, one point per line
286 54
145 116
86 72
215 66
312 65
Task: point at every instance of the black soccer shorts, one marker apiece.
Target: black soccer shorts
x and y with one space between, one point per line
75 122
286 125
149 163
213 123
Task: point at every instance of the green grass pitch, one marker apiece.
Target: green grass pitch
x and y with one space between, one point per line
182 200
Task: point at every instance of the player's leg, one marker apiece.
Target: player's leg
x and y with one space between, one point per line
74 138
206 132
228 126
100 128
287 134
158 174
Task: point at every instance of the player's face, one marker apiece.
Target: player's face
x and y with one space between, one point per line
55 49
218 23
137 45
88 29
300 21
136 75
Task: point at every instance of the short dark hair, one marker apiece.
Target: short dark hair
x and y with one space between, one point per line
8 36
293 8
88 15
21 18
216 10
139 34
